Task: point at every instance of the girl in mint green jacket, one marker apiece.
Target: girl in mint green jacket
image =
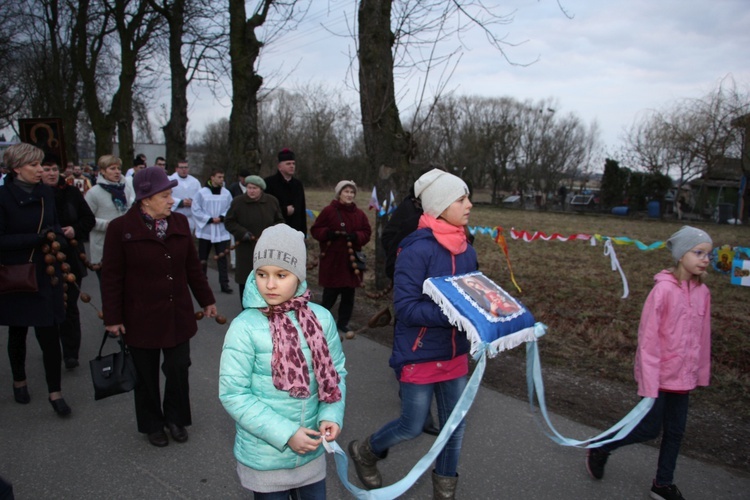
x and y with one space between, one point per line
282 374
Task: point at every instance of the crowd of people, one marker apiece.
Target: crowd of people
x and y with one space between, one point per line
282 374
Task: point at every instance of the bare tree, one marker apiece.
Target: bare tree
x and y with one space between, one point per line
244 49
404 34
196 40
11 98
119 30
506 143
214 144
38 77
536 128
317 121
689 138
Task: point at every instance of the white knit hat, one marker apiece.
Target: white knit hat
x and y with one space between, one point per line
438 190
283 247
685 239
342 184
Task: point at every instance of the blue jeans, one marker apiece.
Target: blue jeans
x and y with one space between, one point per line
314 491
415 405
668 417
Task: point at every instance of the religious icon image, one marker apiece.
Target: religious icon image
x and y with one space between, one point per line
488 296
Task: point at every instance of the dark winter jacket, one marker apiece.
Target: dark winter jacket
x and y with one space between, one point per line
248 216
422 332
335 264
73 211
404 221
289 192
20 213
146 281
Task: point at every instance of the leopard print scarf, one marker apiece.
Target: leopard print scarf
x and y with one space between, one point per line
288 366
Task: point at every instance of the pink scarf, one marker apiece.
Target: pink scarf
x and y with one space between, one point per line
288 366
453 238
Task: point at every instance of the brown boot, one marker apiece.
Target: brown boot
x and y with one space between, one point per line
365 463
443 487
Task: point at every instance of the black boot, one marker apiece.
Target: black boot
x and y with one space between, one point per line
429 425
444 487
365 463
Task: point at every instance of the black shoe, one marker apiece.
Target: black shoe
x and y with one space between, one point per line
158 438
431 429
60 407
596 459
71 363
178 432
226 289
21 394
666 492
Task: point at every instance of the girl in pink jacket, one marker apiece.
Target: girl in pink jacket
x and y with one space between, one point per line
673 357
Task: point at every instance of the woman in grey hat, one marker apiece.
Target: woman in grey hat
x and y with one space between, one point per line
248 215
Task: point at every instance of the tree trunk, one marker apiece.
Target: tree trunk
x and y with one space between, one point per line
102 125
122 103
134 27
386 144
244 48
175 130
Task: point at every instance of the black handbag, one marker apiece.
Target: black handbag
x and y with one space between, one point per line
360 261
114 373
18 278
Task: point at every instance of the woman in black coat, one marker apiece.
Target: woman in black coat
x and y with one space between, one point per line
77 220
26 205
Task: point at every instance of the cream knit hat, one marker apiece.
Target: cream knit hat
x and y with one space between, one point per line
438 190
342 184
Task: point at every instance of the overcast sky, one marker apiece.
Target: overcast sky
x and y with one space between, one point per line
611 61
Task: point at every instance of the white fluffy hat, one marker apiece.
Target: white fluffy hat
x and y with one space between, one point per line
438 189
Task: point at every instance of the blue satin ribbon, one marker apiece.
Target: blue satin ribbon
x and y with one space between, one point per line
489 231
399 488
535 383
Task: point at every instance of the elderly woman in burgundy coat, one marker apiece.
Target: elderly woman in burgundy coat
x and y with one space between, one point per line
149 268
341 226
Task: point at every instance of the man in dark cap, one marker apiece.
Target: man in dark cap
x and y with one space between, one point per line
289 191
